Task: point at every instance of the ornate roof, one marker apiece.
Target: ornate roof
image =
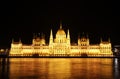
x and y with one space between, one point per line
61 32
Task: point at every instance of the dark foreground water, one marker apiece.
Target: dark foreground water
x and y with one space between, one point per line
60 68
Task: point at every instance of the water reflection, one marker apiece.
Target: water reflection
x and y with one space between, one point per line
92 68
59 68
4 68
116 68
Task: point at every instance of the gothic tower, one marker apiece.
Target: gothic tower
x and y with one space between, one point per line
51 38
87 40
68 38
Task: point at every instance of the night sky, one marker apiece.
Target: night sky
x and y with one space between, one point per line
20 19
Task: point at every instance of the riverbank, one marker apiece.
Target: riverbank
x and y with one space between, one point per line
59 57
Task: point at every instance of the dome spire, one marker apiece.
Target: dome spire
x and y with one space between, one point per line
101 39
12 40
51 38
109 39
60 25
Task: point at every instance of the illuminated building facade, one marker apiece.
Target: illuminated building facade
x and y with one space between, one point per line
61 46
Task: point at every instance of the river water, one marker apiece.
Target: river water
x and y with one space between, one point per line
59 68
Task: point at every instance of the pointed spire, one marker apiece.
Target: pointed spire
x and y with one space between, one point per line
101 39
109 39
12 40
51 35
68 34
87 39
51 38
20 40
60 25
68 37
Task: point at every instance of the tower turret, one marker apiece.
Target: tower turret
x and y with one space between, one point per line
101 40
109 40
60 25
68 37
12 40
78 40
87 40
60 35
42 40
51 37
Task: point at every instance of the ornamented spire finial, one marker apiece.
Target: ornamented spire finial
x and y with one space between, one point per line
60 25
101 39
109 39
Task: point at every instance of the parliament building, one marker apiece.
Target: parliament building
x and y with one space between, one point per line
61 46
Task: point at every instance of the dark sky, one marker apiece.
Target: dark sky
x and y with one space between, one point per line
20 19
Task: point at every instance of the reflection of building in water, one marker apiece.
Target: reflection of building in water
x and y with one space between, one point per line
116 69
92 68
4 68
59 70
61 46
3 52
28 68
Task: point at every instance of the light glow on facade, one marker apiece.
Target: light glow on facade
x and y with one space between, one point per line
61 46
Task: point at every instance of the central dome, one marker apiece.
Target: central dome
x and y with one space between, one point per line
60 32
